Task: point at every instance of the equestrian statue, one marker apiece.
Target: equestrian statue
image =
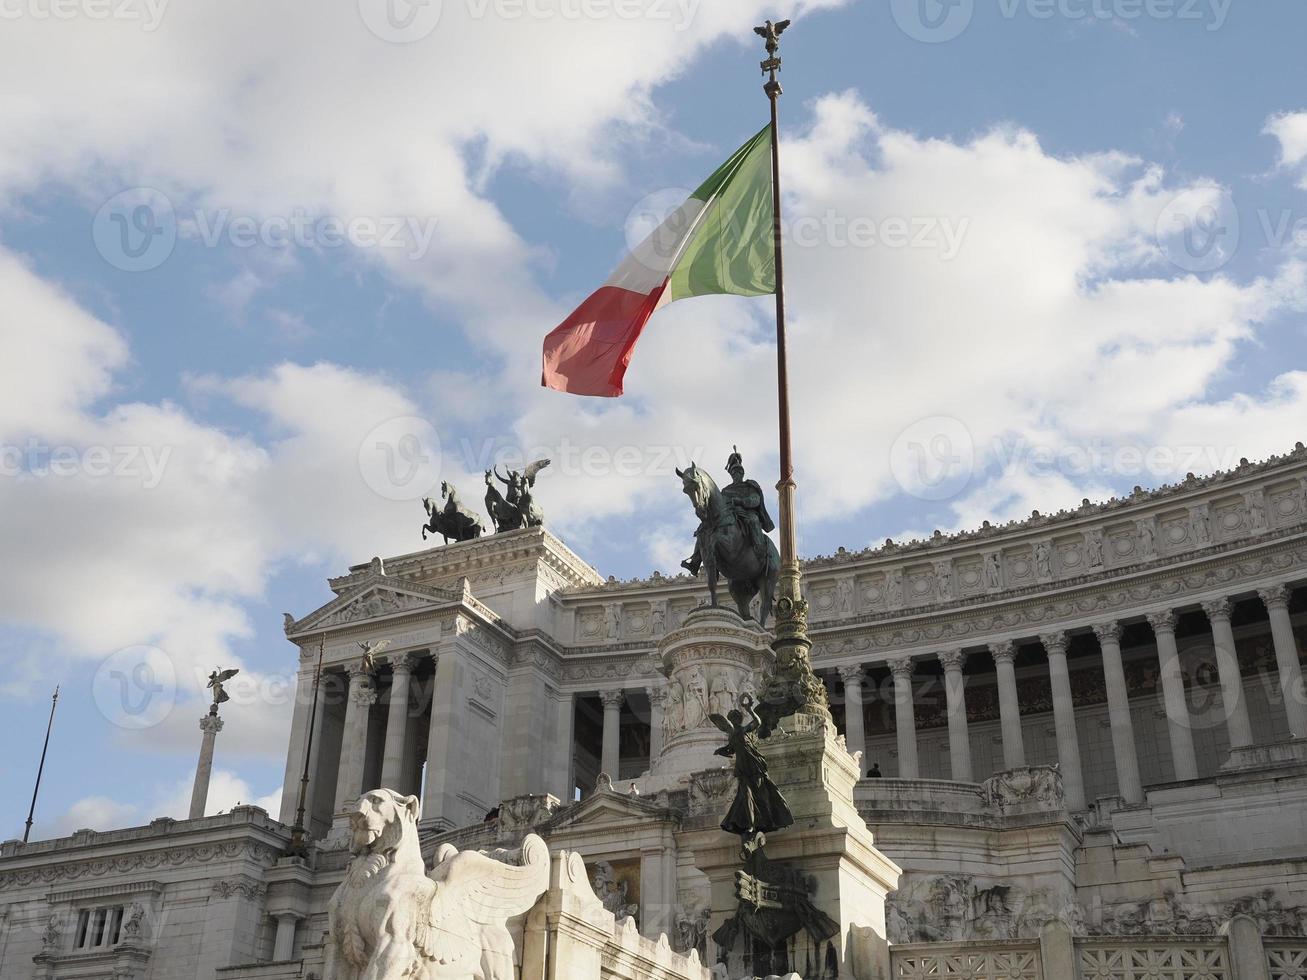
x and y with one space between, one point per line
732 540
518 508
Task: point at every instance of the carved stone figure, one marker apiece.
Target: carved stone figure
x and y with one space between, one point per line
53 932
613 893
133 921
844 595
1147 544
1094 548
993 574
451 521
389 920
730 540
658 618
944 580
759 806
1202 526
613 617
894 588
1032 784
1043 560
1256 512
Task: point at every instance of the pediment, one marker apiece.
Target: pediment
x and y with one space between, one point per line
610 807
378 597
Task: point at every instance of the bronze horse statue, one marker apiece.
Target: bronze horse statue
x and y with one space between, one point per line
725 548
504 515
451 521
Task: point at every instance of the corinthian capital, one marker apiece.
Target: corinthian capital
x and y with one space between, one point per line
1054 643
1162 621
850 674
1217 608
953 660
611 699
1275 596
1109 632
902 667
1004 651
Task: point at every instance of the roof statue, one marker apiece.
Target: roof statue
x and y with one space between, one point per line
216 681
451 521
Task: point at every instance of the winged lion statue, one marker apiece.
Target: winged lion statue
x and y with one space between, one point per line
391 920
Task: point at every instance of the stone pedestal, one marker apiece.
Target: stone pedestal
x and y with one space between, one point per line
710 661
828 842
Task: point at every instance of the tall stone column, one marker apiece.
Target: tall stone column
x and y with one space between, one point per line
353 750
955 696
905 717
1178 724
564 746
445 755
210 725
1276 600
1009 705
610 758
1064 720
392 761
1118 709
855 735
299 733
1227 663
657 699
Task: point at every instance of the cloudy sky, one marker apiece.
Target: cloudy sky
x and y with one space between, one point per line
268 273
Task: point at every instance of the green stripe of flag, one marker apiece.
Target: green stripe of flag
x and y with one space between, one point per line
731 248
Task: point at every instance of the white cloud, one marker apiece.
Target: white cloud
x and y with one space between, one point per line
1290 128
102 813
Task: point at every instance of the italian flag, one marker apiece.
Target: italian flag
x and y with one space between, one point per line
718 241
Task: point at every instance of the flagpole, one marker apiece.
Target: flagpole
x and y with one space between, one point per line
40 769
805 693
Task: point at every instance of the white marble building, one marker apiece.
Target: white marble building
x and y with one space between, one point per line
1093 720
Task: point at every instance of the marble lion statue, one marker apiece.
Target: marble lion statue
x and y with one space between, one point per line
391 920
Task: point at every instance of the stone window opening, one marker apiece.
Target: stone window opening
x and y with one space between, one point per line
99 927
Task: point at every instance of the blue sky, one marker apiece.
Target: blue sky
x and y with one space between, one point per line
1046 334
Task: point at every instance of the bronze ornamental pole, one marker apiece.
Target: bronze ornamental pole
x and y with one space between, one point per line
793 680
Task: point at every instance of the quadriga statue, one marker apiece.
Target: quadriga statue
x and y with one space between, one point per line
390 920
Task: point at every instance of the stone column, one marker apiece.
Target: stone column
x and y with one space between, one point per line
440 802
1227 662
1009 706
610 758
1276 600
283 947
1118 709
657 698
299 733
959 738
210 725
564 747
353 750
855 735
905 719
392 761
1178 724
1064 720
